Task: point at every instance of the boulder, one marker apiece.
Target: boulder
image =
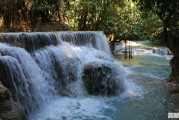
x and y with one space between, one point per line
101 79
4 93
9 110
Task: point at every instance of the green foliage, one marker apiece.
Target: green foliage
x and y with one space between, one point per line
152 26
168 13
163 8
50 8
118 17
121 18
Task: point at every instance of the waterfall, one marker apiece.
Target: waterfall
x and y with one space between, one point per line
34 41
22 76
38 67
29 41
91 39
160 51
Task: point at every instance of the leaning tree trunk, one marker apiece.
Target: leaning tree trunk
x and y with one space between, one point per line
174 41
175 68
171 39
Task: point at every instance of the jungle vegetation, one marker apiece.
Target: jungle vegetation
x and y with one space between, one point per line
119 19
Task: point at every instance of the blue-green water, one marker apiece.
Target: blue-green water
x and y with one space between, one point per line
151 98
152 102
148 65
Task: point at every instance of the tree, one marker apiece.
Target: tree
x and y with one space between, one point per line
151 26
167 11
118 17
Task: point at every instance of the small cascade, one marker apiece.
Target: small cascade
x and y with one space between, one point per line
38 67
90 39
29 41
63 66
24 78
141 48
160 51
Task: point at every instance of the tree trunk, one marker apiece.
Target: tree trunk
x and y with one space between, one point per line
175 66
84 20
171 39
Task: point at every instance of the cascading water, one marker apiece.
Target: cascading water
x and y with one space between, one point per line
90 39
30 41
160 51
21 74
38 68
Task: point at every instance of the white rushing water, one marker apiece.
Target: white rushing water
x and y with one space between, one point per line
142 48
48 79
23 76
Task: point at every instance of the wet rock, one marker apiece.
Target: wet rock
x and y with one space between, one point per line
9 110
100 79
4 94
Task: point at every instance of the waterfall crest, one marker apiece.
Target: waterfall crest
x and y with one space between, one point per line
37 40
29 41
90 39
